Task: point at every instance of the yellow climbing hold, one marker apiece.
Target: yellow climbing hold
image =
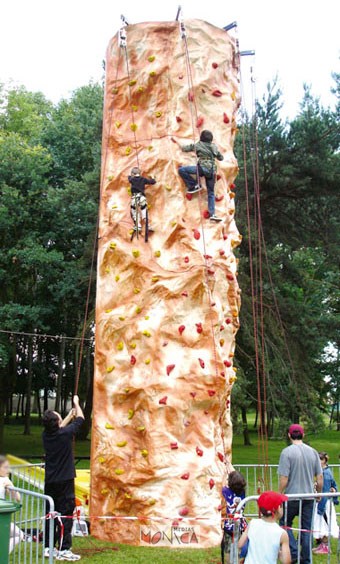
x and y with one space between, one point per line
110 369
117 278
113 245
152 501
138 309
152 73
173 223
121 318
158 114
128 150
119 471
101 460
147 317
140 89
130 193
133 127
120 346
235 313
157 253
133 345
131 413
144 452
110 178
134 108
147 361
147 333
136 253
109 426
127 496
221 342
114 90
122 444
234 369
233 95
232 379
150 147
141 428
126 390
132 82
108 310
151 58
104 491
118 124
167 187
107 270
136 290
155 279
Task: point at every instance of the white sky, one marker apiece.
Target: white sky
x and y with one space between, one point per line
57 46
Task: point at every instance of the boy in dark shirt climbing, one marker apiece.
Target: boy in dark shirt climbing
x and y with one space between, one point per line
60 473
138 199
206 153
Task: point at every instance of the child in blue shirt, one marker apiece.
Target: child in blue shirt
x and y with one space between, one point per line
233 494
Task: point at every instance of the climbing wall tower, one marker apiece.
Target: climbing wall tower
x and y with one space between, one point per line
167 310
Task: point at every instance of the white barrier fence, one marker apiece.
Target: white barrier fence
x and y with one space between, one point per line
243 507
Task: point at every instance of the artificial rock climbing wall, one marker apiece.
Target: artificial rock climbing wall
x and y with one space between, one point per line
167 310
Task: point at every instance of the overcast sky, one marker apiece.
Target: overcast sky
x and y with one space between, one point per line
57 46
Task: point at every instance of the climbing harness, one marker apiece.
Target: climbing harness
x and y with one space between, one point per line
140 215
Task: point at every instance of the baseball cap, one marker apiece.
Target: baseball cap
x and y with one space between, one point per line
296 428
271 501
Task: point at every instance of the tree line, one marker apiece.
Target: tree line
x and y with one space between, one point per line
49 186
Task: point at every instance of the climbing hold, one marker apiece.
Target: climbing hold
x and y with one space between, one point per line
199 122
165 344
155 279
163 400
134 108
136 253
147 333
186 260
174 446
136 290
230 277
184 511
110 369
193 394
220 456
144 452
199 451
119 471
184 294
140 89
211 393
147 361
132 82
217 93
150 147
120 346
206 214
158 114
197 234
190 96
138 309
225 118
131 413
218 177
133 127
222 328
225 236
147 317
151 58
127 496
113 245
233 95
152 73
181 76
211 271
178 119
101 460
211 483
232 186
108 310
170 368
188 196
109 426
157 253
228 321
114 90
202 363
167 187
231 195
121 444
128 150
222 374
199 327
118 124
141 428
133 345
104 491
214 65
181 328
222 252
219 198
227 363
117 278
207 257
185 476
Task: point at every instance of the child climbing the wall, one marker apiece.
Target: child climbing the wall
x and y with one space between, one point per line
5 483
267 541
206 153
233 493
139 202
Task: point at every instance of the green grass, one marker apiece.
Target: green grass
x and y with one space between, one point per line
98 552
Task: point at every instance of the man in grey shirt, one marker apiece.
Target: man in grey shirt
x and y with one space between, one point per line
299 468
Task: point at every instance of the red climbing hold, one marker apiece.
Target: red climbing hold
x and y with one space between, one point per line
222 252
220 507
173 446
181 328
199 451
133 360
232 186
163 401
199 327
188 197
217 93
190 97
228 321
193 394
197 234
211 393
199 121
185 294
170 368
218 177
220 456
186 259
225 236
225 118
227 363
222 328
185 476
211 271
207 257
222 374
202 363
178 119
206 412
181 76
214 65
211 483
206 214
230 277
165 344
219 198
183 512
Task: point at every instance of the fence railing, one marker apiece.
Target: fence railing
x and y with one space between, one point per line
29 527
242 509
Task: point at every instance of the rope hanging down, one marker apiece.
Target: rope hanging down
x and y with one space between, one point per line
123 45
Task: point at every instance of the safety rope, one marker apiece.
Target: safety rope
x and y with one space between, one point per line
123 45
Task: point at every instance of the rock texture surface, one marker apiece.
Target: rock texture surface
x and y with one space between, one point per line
167 310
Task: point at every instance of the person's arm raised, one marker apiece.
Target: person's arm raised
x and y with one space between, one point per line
78 409
69 417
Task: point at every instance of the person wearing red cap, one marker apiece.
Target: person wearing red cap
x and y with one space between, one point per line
299 468
267 540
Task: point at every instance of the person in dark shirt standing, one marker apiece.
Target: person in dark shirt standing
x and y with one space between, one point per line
138 199
60 473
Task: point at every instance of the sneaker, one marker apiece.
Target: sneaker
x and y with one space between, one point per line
135 228
68 556
195 189
150 228
47 553
215 218
321 549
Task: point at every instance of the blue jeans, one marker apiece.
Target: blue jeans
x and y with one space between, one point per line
307 507
189 175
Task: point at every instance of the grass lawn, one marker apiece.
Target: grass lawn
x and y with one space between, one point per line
98 552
